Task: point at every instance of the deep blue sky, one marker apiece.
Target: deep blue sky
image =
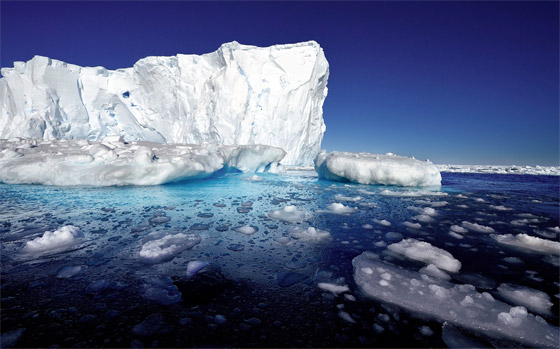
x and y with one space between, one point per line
455 82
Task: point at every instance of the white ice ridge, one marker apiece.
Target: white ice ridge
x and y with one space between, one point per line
366 168
114 162
532 170
239 94
460 305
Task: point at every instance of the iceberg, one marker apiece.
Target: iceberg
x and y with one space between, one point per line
239 94
367 168
115 162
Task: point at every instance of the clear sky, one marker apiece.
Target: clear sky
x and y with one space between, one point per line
456 82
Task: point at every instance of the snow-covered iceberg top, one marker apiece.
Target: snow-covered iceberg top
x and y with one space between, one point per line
239 94
366 168
115 162
531 170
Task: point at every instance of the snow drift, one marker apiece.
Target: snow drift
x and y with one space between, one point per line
366 168
238 94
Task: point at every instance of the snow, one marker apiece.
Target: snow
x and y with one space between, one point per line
291 214
239 94
366 168
424 252
534 300
105 163
530 170
527 242
167 247
63 238
460 305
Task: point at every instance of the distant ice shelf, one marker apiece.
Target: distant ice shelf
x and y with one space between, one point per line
115 162
531 170
239 94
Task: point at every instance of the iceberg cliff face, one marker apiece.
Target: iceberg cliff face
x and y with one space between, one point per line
238 94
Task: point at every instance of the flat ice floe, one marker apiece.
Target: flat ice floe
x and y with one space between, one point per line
528 242
531 170
457 304
165 248
366 168
291 214
114 162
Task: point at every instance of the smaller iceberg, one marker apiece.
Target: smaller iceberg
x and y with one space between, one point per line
366 168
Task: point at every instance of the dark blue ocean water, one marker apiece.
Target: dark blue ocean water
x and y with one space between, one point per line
258 290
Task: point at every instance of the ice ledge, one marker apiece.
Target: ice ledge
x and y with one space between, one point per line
114 162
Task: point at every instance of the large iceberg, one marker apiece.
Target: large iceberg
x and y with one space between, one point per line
115 162
366 168
238 94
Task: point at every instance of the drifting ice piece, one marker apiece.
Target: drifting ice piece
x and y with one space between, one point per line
238 94
366 168
460 305
112 162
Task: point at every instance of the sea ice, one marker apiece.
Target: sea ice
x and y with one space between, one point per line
339 208
425 252
528 242
291 214
366 168
60 239
310 234
167 247
110 162
534 300
461 305
477 227
239 94
333 288
193 267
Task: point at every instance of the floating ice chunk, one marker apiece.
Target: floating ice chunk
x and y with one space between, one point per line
382 222
426 331
411 193
412 225
458 229
534 300
367 226
60 239
10 339
291 214
339 197
425 252
70 163
333 288
531 170
501 208
310 234
477 227
555 229
426 211
346 317
528 242
254 178
246 229
366 168
193 267
166 248
442 300
339 208
455 235
423 218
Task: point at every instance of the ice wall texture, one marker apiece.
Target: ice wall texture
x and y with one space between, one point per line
238 94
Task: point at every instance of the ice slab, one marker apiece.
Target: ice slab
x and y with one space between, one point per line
239 94
114 162
534 300
60 239
460 305
527 242
366 168
424 252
